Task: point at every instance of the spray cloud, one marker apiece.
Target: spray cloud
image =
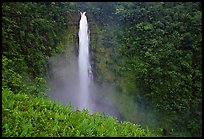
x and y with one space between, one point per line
71 82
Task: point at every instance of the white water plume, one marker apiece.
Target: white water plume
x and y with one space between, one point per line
70 79
85 72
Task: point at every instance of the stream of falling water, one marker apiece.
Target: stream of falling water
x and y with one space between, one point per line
85 72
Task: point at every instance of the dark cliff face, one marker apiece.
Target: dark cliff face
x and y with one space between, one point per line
96 29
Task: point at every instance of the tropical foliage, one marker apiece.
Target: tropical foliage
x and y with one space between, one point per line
151 51
26 115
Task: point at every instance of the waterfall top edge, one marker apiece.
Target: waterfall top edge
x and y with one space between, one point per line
82 13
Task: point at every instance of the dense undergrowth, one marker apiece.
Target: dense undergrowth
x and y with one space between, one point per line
151 47
37 116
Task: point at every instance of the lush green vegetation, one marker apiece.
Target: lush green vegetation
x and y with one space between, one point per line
26 115
161 47
31 33
151 51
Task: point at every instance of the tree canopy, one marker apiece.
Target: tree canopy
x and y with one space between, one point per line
150 50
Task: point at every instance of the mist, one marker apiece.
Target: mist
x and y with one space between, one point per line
64 83
104 97
64 87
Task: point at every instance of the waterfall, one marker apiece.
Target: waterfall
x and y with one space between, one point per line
72 79
85 72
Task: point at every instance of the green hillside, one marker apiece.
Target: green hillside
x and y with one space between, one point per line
150 53
26 115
